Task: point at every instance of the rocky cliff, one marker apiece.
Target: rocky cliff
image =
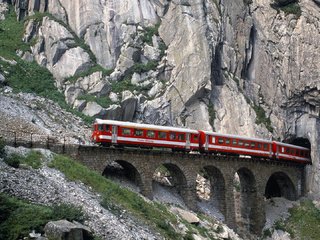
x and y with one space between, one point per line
245 67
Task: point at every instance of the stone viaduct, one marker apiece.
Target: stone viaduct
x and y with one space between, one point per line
258 179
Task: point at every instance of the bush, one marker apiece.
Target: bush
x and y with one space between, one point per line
2 150
13 160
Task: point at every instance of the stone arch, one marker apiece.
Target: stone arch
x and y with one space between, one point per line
217 186
279 184
123 169
245 196
176 179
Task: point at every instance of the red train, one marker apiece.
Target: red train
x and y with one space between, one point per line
118 133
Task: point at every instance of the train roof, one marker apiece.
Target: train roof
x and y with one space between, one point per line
237 136
292 146
254 139
146 126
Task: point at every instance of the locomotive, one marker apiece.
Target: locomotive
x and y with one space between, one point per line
119 133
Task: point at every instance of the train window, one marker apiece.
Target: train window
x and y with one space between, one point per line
195 138
138 132
253 144
240 143
259 146
234 142
126 131
162 135
221 140
282 149
181 136
150 134
227 141
100 127
288 150
172 136
246 144
265 146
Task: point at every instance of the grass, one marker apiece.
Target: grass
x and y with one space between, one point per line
304 221
32 159
116 198
149 32
18 218
104 102
11 32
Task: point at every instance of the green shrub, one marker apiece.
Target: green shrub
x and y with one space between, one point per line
13 160
33 159
261 117
149 32
2 150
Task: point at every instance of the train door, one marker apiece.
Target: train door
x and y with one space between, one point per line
188 141
114 136
206 145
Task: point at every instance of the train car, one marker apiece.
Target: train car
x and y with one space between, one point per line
284 151
118 133
212 142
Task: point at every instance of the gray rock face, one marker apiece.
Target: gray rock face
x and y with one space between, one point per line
189 53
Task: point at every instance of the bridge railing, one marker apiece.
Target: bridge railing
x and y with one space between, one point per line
57 143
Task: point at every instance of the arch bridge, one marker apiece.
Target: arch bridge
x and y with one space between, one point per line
239 185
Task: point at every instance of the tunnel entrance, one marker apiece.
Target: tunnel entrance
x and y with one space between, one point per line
124 173
280 185
302 142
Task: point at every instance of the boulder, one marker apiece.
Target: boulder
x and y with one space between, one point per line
113 97
114 112
93 109
101 89
186 215
72 93
72 62
151 53
128 105
65 230
156 89
79 104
